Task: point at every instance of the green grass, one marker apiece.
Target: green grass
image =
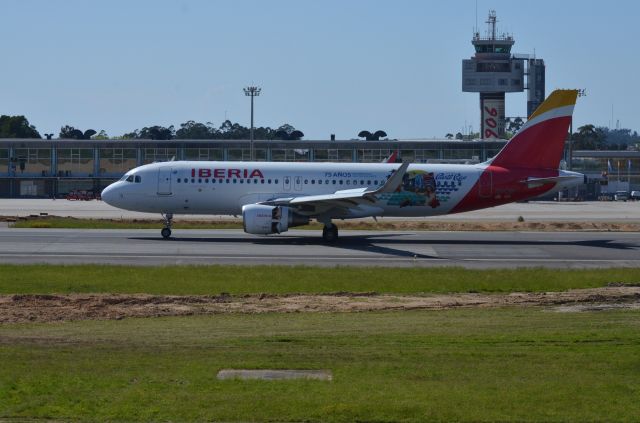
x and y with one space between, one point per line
215 279
517 364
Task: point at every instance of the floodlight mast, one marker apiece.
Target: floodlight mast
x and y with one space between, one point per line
252 91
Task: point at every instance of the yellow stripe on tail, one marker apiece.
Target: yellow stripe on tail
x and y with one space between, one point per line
558 98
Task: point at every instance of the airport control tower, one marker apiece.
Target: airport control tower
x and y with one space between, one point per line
493 71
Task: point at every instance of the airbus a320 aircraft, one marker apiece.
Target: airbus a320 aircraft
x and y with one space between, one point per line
273 197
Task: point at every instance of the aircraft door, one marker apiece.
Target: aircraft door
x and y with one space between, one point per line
164 181
297 181
286 183
486 184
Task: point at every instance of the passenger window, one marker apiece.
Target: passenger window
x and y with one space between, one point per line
213 181
255 181
199 181
262 181
206 181
178 180
313 181
276 181
269 181
235 180
340 181
193 181
306 182
334 182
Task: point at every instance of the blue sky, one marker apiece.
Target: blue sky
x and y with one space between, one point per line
326 67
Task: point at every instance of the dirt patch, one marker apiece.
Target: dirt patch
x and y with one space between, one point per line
389 225
51 308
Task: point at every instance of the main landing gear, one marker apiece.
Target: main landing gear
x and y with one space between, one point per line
330 233
166 231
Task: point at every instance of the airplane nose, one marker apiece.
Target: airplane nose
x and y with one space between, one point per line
109 195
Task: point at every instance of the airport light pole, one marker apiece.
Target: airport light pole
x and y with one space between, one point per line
252 91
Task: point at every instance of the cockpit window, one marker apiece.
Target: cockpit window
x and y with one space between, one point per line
138 179
129 178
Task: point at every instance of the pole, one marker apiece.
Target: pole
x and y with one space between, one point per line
251 92
251 132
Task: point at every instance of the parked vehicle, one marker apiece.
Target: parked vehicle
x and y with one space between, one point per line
635 195
621 196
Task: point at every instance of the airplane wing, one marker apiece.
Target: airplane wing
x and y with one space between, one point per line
341 199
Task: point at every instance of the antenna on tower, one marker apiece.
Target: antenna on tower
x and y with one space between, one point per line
475 29
492 23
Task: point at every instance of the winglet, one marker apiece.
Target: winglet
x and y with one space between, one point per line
394 181
392 158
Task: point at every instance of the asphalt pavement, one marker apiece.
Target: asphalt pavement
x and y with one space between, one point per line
306 247
591 211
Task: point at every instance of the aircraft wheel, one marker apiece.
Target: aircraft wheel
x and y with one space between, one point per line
166 233
330 233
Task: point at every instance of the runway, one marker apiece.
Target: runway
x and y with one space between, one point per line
305 247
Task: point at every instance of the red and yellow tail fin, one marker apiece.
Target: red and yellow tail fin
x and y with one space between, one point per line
540 142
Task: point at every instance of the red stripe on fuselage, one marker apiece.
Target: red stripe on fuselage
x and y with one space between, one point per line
498 185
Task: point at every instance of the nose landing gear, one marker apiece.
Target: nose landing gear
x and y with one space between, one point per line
166 231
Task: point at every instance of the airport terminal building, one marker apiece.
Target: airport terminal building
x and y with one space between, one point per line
47 168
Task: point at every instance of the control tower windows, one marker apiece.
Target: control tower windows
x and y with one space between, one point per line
493 67
493 48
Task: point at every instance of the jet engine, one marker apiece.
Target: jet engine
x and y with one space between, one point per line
262 220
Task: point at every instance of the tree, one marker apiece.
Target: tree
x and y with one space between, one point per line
588 137
287 132
102 135
449 136
17 127
372 137
69 132
513 125
459 136
191 130
233 131
264 133
227 130
157 132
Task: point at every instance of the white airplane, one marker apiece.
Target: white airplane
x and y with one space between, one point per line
272 196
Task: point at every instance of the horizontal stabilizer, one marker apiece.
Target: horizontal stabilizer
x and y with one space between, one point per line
535 182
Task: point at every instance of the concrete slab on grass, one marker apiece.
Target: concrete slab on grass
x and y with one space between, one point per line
272 374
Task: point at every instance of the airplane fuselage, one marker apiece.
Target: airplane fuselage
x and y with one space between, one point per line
201 187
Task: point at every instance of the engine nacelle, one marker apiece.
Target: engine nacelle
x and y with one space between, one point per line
262 220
